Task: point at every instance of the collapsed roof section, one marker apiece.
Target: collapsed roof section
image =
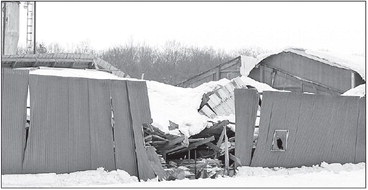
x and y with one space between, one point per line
349 62
60 60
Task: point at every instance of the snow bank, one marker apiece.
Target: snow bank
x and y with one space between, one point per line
76 179
326 175
357 91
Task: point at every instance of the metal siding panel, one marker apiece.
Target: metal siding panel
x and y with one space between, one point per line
47 147
361 132
321 128
126 158
13 114
266 114
79 130
140 112
246 104
100 124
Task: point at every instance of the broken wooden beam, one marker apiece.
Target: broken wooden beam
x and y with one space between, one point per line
235 159
194 145
213 147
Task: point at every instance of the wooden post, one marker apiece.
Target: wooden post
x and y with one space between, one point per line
226 153
195 162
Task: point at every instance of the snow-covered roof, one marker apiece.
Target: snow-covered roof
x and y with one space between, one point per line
80 73
59 60
346 61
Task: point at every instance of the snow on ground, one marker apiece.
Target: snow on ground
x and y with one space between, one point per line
82 178
357 91
325 175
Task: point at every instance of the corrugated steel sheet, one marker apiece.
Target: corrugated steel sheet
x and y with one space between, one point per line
100 124
79 125
140 113
72 125
14 86
126 158
320 129
246 106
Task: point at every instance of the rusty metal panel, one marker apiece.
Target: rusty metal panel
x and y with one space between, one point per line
320 128
102 153
79 130
246 104
47 146
140 113
126 158
14 85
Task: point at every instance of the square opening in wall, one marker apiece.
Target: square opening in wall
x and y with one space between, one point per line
279 141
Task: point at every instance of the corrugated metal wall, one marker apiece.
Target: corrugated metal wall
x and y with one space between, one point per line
246 105
320 128
71 125
334 80
14 86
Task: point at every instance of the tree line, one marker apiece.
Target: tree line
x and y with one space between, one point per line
170 64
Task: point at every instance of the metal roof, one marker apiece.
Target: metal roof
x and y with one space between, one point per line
60 60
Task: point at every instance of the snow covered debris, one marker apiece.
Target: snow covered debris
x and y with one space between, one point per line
357 91
76 179
258 85
179 105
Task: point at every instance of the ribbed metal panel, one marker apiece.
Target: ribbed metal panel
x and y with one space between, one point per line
79 130
102 153
321 128
246 105
47 147
14 86
360 155
140 112
126 158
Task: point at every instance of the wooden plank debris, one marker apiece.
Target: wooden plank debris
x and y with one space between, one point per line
155 163
194 145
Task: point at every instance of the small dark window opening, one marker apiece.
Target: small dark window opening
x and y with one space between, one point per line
279 141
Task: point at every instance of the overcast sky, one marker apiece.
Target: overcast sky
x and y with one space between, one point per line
334 26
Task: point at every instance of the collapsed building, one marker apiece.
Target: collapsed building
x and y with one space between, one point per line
95 113
271 109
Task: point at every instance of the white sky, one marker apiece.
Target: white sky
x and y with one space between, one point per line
334 26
